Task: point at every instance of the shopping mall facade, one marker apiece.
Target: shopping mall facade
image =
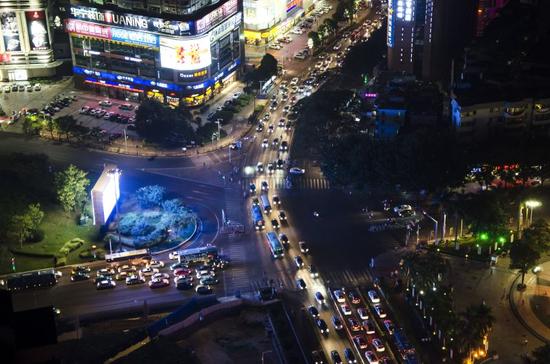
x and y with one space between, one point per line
174 58
25 41
265 20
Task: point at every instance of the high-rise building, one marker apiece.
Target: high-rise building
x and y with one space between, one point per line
423 35
486 11
26 40
175 51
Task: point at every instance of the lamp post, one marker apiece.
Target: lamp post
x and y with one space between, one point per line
524 207
531 204
436 224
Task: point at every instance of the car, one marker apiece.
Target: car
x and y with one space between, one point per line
127 268
270 128
284 240
350 357
322 325
7 89
79 276
275 142
178 265
335 357
265 186
360 341
14 88
276 200
368 326
284 146
304 248
313 311
371 357
337 323
318 357
270 168
259 167
319 298
373 296
275 224
399 209
389 326
275 46
121 276
159 283
160 275
84 110
209 281
274 105
299 261
106 103
202 289
149 271
108 116
301 284
339 296
260 128
105 272
286 109
255 201
346 310
313 272
354 325
105 284
354 297
178 272
81 269
380 311
363 313
134 280
183 284
173 255
21 88
378 345
252 188
266 117
156 264
294 81
297 171
265 143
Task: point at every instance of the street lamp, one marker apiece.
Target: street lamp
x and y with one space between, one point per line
532 204
435 225
526 205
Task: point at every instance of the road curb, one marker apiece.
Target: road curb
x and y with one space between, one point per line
183 241
518 315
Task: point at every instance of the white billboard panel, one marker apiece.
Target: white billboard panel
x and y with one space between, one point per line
185 54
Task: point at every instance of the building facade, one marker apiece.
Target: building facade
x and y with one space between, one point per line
265 20
25 41
486 11
177 51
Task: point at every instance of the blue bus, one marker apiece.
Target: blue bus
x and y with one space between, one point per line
264 200
257 218
275 245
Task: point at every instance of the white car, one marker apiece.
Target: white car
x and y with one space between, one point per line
294 81
339 296
174 255
380 311
401 208
346 310
265 143
363 313
371 357
160 276
156 264
149 271
297 171
378 345
106 103
259 167
275 46
373 296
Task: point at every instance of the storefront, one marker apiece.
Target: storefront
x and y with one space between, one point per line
25 42
172 61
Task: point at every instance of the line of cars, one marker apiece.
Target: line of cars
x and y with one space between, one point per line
19 87
149 272
57 104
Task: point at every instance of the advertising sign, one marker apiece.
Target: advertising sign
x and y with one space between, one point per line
216 16
134 21
85 28
10 31
185 55
38 30
130 36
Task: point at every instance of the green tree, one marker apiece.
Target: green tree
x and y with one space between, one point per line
314 36
160 124
541 355
66 124
523 257
35 215
150 196
477 321
32 125
331 25
487 213
51 126
25 225
538 236
266 69
71 185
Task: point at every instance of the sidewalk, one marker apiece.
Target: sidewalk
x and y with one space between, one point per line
531 305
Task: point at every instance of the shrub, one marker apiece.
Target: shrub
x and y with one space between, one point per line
61 261
70 246
127 222
174 206
226 116
150 196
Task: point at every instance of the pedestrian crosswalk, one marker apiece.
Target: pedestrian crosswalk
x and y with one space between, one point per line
279 183
346 278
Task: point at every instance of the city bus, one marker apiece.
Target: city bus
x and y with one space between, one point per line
274 245
41 278
127 255
264 200
257 218
198 254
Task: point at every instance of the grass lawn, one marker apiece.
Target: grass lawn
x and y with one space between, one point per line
59 227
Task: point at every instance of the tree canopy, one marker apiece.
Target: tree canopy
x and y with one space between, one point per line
71 185
158 123
266 69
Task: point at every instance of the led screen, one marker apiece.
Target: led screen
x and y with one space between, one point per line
10 31
38 32
110 196
185 55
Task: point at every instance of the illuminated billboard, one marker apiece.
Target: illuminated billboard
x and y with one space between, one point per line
117 34
38 30
10 31
216 16
105 194
185 55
